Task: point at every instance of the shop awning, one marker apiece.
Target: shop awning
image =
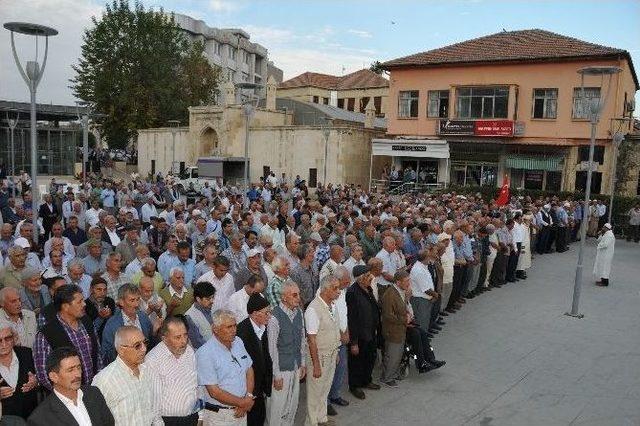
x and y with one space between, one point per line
529 162
422 148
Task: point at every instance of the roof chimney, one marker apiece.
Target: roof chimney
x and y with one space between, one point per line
272 87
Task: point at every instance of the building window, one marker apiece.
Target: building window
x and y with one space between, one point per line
554 181
598 154
545 103
596 181
315 99
438 106
377 102
245 76
341 103
232 52
467 173
482 102
408 103
351 104
217 48
313 178
325 101
363 103
581 107
247 56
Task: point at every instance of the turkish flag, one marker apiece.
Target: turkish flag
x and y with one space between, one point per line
503 196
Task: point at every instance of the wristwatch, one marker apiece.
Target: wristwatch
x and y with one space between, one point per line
250 395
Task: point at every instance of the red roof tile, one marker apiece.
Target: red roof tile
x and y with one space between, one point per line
362 79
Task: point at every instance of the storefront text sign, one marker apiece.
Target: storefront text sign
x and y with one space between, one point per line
476 127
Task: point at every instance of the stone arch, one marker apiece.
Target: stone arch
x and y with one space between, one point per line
209 142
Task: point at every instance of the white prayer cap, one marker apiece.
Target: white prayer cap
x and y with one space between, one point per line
607 225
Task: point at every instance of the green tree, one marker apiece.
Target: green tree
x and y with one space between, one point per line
132 68
376 66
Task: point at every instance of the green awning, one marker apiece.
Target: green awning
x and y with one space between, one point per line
528 162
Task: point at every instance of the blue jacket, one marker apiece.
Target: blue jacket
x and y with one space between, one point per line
107 349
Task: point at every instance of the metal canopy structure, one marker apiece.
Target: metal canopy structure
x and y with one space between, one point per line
420 148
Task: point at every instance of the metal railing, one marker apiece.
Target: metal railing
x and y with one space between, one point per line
398 187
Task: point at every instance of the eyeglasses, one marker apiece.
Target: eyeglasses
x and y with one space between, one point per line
7 339
138 345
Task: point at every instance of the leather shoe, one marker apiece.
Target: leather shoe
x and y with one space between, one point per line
436 327
373 386
429 335
339 401
358 393
444 314
440 321
437 364
432 331
331 411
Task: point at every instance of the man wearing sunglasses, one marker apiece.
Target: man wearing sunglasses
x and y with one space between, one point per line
126 383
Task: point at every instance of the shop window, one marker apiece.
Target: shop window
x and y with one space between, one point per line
316 99
325 101
408 104
545 103
438 106
598 154
313 178
583 107
596 182
482 102
554 181
377 102
351 104
474 174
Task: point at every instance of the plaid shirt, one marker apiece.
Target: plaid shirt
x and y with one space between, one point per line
81 342
274 290
322 255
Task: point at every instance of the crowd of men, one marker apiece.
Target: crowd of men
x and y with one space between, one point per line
126 305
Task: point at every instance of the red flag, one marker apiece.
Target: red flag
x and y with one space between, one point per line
503 197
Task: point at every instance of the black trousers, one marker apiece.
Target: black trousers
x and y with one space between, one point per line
420 346
459 274
512 263
191 420
499 269
435 311
553 231
634 233
361 365
543 238
561 239
483 274
258 413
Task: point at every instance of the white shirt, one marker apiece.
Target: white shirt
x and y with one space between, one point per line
174 380
259 329
148 211
92 216
238 304
350 263
389 265
77 410
128 321
10 374
224 289
129 398
517 233
113 236
312 320
421 280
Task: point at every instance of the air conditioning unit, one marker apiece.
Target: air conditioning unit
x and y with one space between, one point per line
631 105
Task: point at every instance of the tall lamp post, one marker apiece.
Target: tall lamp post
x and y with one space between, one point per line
84 119
326 132
618 138
593 110
249 110
32 76
174 129
13 123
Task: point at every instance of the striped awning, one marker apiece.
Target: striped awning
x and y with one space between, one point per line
531 162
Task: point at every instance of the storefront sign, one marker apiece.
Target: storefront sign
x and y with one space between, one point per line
408 148
493 128
456 127
477 127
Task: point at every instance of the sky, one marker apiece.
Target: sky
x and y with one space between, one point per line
329 36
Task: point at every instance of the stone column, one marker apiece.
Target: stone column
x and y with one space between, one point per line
272 88
369 115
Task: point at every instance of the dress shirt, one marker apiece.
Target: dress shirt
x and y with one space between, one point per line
224 289
328 268
113 284
166 261
312 320
273 331
227 369
108 197
202 268
84 283
113 237
274 290
389 265
10 373
189 269
175 383
133 267
129 398
77 409
517 233
307 280
421 280
258 329
148 211
127 321
238 304
26 327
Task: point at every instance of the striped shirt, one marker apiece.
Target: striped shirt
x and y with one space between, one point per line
175 383
129 398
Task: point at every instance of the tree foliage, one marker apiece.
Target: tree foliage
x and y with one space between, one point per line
138 69
376 66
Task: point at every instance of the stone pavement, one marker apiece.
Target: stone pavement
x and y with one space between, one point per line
514 359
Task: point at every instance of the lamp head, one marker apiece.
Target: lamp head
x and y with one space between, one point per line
30 29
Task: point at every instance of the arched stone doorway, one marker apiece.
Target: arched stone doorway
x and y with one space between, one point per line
208 143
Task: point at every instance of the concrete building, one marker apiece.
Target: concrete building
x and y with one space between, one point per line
508 103
286 136
232 50
351 92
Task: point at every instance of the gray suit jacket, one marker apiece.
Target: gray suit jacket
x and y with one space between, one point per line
52 412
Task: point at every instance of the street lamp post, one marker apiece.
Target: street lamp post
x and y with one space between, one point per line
12 125
593 109
84 119
174 128
249 111
618 138
32 76
326 132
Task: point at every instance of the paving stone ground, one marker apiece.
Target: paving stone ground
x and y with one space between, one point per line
514 358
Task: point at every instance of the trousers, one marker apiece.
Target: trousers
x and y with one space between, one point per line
283 404
361 365
318 388
222 418
446 294
340 373
391 360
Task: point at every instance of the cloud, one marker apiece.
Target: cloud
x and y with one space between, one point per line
224 6
268 36
70 18
360 33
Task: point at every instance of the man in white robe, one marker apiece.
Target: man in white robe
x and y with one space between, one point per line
604 255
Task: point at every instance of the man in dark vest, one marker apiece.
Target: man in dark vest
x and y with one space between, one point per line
286 334
252 331
71 327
